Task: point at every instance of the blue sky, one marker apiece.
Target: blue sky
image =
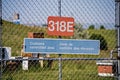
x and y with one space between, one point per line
85 12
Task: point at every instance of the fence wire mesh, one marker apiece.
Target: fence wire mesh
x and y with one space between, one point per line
94 19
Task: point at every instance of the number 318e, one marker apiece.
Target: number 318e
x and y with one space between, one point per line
61 26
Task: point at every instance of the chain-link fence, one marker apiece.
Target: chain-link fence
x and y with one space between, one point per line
93 20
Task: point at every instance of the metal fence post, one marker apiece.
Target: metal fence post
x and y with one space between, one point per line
60 59
117 25
0 39
59 7
60 67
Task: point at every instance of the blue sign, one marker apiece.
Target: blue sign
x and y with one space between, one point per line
61 46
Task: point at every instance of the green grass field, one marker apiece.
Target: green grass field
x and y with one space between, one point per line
13 36
71 70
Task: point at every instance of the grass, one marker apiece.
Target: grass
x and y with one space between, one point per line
79 70
13 36
109 35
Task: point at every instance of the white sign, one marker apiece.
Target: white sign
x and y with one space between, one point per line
25 64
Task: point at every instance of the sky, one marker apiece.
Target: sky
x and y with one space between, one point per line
85 12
